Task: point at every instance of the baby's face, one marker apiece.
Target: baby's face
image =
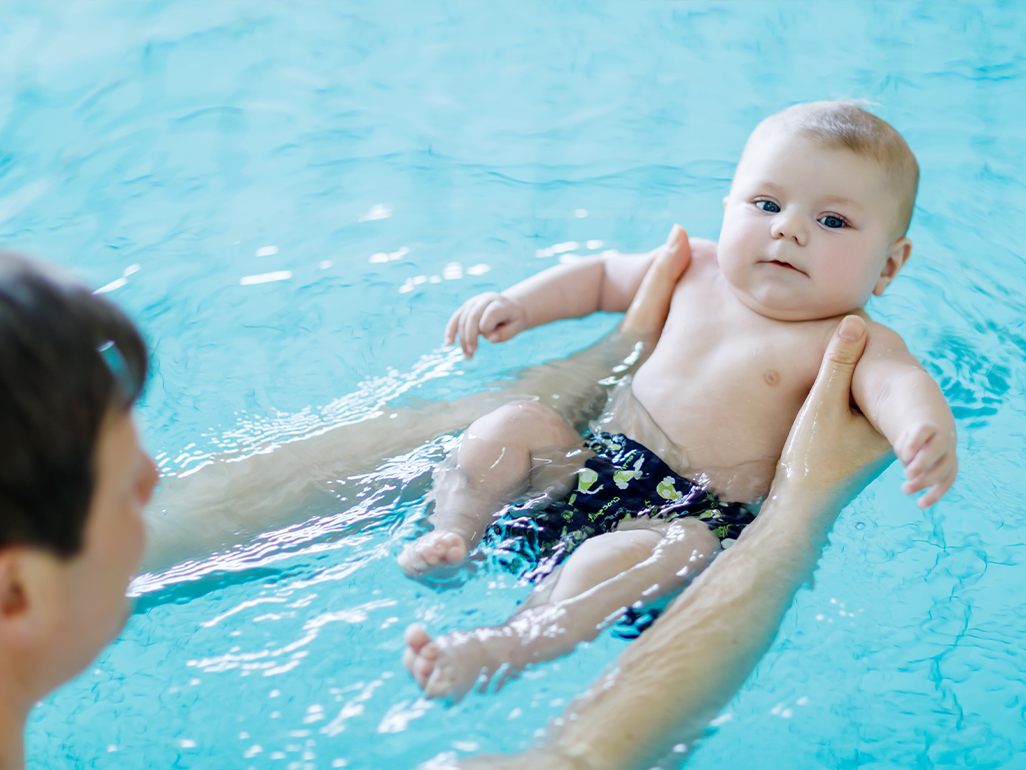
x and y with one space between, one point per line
808 232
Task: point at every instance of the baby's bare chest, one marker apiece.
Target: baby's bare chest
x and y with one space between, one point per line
722 363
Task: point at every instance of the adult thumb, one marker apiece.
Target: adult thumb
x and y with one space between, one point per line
842 354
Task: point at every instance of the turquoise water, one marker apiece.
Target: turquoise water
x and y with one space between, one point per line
167 151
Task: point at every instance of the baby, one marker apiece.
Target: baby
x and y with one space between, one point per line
814 223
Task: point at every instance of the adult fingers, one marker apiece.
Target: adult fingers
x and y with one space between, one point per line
828 443
833 383
678 237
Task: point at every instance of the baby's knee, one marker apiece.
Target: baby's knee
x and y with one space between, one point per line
689 542
618 550
536 424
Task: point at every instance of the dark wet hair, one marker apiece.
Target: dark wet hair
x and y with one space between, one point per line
67 357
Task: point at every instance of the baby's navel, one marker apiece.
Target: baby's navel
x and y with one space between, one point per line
771 376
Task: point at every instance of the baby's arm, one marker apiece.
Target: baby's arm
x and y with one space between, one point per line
904 403
585 286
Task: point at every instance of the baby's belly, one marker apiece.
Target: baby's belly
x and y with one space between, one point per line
733 467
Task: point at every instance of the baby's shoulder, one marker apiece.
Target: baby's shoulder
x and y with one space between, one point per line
703 253
882 342
703 266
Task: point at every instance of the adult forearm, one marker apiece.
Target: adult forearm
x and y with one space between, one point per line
673 680
670 683
232 498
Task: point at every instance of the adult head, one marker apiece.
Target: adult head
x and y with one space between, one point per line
73 481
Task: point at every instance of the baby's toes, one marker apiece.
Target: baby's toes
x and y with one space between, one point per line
439 683
425 665
451 548
431 552
416 636
412 561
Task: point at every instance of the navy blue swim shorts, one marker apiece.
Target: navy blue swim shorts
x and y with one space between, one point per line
624 480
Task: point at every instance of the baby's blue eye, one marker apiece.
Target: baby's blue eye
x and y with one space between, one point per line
831 221
768 206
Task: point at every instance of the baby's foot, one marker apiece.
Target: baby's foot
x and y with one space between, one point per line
436 553
448 667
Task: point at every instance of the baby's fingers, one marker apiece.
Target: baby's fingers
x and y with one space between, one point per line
938 490
928 477
494 316
453 325
908 447
925 458
468 333
501 322
470 323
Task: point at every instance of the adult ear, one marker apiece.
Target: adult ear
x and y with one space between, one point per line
897 256
28 595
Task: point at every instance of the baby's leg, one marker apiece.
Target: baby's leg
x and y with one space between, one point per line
492 466
599 581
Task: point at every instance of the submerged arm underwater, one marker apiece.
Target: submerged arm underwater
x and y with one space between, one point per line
672 681
233 499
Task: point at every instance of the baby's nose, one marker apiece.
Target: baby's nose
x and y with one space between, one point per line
790 226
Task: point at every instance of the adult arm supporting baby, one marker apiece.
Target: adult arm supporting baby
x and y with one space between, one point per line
673 680
234 497
905 404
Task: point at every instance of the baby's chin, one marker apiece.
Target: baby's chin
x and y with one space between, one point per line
781 305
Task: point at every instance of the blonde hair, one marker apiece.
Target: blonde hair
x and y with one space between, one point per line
845 125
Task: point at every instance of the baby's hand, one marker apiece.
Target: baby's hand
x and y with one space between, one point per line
928 454
491 315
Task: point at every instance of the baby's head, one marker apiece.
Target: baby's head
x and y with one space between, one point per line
817 213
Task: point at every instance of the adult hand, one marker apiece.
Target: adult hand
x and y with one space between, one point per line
651 304
677 676
832 449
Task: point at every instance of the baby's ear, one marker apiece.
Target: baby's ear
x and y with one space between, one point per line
725 200
897 256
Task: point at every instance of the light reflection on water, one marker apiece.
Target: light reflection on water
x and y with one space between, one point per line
170 152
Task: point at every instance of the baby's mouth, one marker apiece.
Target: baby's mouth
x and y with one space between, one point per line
787 265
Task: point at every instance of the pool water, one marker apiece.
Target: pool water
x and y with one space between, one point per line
291 198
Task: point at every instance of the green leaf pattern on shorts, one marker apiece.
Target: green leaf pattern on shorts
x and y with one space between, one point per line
585 478
624 477
668 490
